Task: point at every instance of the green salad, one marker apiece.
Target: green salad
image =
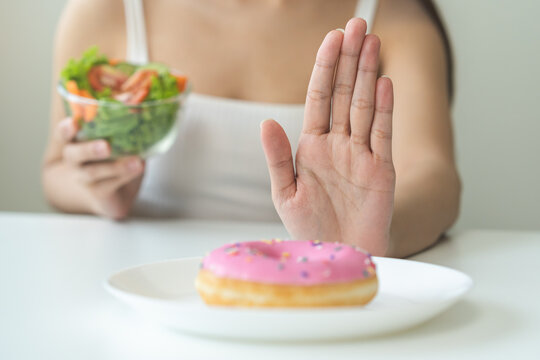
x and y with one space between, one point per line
133 107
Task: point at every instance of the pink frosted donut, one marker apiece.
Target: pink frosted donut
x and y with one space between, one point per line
287 273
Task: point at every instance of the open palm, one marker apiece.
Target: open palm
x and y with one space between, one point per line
343 188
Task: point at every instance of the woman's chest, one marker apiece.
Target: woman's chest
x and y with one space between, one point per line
249 54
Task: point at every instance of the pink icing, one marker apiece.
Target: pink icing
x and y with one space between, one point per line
291 262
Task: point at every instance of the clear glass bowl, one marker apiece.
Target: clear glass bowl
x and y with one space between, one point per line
145 129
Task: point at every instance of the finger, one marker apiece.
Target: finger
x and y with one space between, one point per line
79 153
346 74
94 172
381 130
66 130
277 150
363 100
319 94
110 186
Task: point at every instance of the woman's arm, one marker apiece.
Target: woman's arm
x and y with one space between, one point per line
345 186
428 187
74 180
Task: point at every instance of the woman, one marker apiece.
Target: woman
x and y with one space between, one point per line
352 181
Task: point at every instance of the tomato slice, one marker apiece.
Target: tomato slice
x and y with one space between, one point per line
94 78
112 77
139 79
138 96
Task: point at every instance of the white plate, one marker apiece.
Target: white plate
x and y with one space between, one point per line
410 292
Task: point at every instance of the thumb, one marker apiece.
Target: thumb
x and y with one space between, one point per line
277 150
66 130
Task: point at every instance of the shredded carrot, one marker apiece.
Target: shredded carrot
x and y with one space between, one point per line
85 94
89 110
181 81
71 87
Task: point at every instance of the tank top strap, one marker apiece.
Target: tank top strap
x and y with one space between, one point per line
366 10
137 48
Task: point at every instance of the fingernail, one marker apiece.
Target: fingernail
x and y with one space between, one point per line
101 149
340 29
385 76
134 165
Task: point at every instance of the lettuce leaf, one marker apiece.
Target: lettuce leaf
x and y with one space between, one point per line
163 86
78 69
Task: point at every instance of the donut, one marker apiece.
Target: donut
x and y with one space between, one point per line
292 273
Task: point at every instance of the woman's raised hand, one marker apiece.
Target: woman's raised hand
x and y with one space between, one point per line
343 189
112 184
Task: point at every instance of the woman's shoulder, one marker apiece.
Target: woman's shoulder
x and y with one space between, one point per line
85 23
404 16
407 27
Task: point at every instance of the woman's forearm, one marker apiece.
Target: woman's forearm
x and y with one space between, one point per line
426 205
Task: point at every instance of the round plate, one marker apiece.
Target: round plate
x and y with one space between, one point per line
410 292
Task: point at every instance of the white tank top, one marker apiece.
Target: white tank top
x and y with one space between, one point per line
216 168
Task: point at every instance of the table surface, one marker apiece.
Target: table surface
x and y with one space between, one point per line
53 304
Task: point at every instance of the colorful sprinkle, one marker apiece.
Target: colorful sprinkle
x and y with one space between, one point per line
278 240
302 259
269 242
285 254
366 274
332 256
338 248
280 266
304 274
249 259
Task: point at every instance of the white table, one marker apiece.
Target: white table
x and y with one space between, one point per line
53 305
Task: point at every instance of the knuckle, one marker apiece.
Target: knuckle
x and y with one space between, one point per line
341 88
359 139
318 95
381 134
282 163
366 69
348 53
361 103
89 149
324 64
387 110
382 159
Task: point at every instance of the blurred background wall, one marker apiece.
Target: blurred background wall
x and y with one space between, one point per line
496 110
